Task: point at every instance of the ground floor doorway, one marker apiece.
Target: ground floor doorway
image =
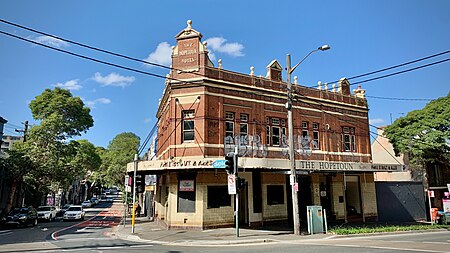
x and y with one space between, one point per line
353 199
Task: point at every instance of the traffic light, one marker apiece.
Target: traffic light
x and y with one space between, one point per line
140 184
240 183
229 163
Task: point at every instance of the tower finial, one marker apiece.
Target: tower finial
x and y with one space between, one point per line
189 23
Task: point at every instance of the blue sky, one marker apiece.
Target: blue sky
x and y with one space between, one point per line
364 36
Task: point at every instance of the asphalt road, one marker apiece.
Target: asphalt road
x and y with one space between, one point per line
93 235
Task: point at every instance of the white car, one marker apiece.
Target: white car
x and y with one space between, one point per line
86 203
74 213
46 213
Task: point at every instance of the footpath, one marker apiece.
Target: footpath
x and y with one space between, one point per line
146 230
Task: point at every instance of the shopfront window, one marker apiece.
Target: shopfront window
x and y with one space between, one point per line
218 196
275 194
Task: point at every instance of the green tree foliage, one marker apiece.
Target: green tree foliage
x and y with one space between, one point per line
55 159
120 151
16 165
424 134
62 116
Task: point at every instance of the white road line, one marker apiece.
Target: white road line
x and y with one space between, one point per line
374 247
141 246
88 239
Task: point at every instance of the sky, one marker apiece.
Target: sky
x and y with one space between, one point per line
364 36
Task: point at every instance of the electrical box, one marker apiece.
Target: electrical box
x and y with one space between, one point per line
315 219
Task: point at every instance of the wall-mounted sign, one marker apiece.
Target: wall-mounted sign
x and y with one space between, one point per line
186 186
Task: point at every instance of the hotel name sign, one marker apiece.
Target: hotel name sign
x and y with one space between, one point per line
346 166
275 164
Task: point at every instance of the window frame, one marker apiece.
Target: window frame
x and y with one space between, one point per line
348 139
229 121
188 116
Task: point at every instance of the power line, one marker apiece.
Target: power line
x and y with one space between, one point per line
91 47
401 72
147 139
84 57
392 67
405 99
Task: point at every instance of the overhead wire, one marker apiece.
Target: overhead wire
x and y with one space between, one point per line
164 77
92 48
402 99
147 139
392 67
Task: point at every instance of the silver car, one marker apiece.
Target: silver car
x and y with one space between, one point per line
74 213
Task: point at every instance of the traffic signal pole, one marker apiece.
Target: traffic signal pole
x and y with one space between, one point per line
235 163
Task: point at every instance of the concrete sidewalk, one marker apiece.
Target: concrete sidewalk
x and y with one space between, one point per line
148 231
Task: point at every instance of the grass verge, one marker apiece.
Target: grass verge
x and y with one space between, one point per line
343 230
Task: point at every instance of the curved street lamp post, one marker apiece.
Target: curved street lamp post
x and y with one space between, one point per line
293 177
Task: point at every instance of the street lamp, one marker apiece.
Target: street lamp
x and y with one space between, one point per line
293 177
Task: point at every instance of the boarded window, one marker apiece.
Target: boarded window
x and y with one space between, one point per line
186 193
218 196
275 194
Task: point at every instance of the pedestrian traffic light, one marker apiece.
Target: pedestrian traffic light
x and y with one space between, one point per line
229 163
240 183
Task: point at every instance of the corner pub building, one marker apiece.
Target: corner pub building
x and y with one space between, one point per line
206 111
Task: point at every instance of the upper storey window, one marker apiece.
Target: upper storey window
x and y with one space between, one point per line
243 124
188 125
348 139
229 124
275 131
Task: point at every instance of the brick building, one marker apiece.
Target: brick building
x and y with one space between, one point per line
205 111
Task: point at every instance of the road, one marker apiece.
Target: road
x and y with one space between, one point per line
94 235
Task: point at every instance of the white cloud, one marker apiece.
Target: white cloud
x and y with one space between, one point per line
51 41
220 45
113 79
376 121
92 103
69 85
147 120
161 55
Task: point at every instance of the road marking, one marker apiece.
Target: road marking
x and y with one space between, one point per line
5 232
141 246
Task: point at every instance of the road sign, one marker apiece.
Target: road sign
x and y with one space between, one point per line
219 164
231 184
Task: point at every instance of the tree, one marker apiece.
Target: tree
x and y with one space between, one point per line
424 134
16 165
120 151
61 117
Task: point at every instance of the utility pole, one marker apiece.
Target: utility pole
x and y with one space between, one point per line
133 215
235 158
25 131
293 176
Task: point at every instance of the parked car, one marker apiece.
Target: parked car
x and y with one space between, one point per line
94 201
74 213
46 213
22 216
61 211
86 203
